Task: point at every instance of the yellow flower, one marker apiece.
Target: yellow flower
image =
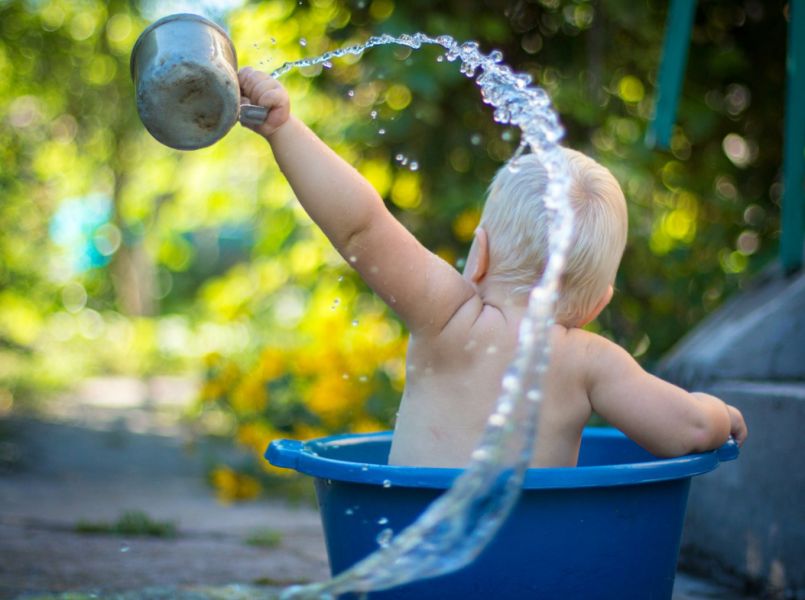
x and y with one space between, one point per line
306 432
255 436
231 486
272 364
211 390
332 396
212 360
465 223
250 395
366 424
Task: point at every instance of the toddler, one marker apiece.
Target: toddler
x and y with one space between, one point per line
464 326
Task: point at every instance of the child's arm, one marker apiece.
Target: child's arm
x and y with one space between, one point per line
663 418
422 288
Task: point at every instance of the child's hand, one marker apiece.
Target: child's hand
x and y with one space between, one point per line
738 429
258 88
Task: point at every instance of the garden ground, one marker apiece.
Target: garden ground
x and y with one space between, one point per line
115 450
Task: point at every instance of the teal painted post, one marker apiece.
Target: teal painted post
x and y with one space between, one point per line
792 214
672 71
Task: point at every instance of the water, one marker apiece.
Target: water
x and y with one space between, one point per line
457 526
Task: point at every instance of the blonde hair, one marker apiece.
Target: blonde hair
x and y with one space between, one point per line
516 222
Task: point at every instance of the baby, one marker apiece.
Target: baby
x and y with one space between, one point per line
464 326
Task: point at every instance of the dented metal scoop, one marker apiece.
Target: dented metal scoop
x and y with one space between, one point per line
185 73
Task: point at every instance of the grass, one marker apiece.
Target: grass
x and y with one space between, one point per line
130 523
264 538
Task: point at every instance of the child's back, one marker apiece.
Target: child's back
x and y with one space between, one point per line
454 381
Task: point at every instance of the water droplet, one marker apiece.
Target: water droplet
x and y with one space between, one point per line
384 537
492 350
414 165
335 304
533 395
399 158
440 58
475 139
381 131
373 114
511 383
363 379
354 322
327 64
365 468
386 483
497 420
273 40
382 521
349 511
353 259
351 93
345 376
340 278
480 455
302 41
124 547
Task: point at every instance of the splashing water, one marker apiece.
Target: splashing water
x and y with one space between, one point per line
458 525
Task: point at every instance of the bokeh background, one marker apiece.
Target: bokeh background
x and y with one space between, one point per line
121 256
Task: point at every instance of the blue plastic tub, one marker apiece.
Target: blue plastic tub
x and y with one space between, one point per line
609 528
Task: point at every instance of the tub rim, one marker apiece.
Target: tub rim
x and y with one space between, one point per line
300 456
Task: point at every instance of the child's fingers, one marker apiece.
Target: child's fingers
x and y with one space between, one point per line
262 90
270 97
738 428
249 79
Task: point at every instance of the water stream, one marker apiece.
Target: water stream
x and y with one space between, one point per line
457 526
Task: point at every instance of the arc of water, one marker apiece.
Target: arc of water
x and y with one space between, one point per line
457 526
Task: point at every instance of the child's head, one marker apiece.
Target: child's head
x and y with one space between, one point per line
516 223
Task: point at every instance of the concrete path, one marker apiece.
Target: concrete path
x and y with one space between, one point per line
116 446
90 459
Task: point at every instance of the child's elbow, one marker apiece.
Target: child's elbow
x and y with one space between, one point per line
690 438
706 434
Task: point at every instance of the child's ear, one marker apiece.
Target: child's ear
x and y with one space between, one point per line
478 260
602 304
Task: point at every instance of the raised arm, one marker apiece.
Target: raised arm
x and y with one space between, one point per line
419 286
663 418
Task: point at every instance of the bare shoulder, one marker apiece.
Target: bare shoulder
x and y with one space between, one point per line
474 325
590 353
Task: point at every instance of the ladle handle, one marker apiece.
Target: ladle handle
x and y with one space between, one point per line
253 115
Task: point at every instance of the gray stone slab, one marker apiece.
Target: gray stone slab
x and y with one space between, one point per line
758 335
747 519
